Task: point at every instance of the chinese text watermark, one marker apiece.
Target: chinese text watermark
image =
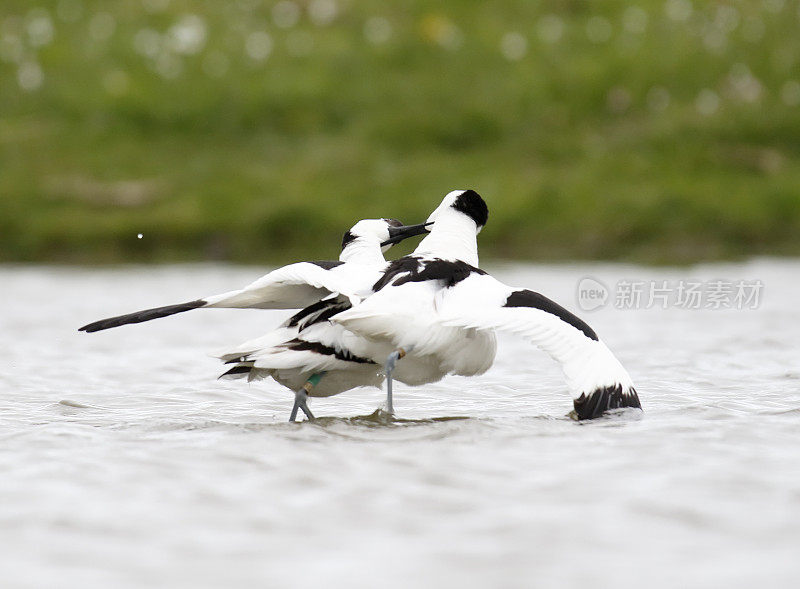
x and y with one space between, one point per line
677 294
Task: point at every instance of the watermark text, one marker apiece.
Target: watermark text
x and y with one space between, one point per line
714 294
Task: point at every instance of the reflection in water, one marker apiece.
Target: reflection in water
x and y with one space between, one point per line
380 418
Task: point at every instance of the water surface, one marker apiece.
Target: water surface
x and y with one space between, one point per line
127 464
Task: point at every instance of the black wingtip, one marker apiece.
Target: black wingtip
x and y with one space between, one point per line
141 316
603 399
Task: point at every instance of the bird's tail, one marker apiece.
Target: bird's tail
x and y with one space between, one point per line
245 369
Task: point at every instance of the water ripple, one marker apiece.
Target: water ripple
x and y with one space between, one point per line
127 464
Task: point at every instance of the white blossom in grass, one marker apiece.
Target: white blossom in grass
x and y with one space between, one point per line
618 100
784 58
442 31
30 76
658 99
258 45
513 46
790 93
286 14
248 5
598 29
39 27
775 6
550 28
377 30
322 12
188 35
715 40
678 10
634 20
154 6
726 18
707 102
746 86
11 48
750 89
147 42
168 65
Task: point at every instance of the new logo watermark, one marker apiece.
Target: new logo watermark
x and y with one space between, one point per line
592 294
663 294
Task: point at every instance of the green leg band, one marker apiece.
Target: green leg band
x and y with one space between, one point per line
315 378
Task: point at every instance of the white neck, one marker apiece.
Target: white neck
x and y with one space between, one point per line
362 251
452 237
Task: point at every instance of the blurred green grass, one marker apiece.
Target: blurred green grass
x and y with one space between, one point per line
657 131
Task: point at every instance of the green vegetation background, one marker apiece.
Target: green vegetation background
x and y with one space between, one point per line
661 131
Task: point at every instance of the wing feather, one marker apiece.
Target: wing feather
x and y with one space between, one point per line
594 376
291 287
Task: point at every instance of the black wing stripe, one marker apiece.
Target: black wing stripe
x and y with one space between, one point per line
528 298
327 264
141 316
317 313
415 269
295 319
322 349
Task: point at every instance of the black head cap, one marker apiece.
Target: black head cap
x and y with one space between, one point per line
471 204
393 222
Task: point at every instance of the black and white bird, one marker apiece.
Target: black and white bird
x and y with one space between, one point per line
297 285
312 356
438 312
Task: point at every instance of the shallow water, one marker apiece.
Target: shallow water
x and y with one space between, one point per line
126 464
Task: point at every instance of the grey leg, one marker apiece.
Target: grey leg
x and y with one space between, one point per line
391 362
301 402
296 406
